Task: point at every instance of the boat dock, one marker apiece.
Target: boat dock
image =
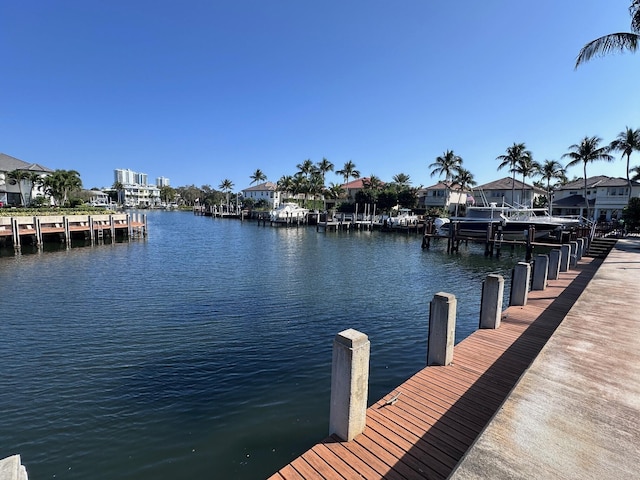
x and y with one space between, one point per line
62 228
553 392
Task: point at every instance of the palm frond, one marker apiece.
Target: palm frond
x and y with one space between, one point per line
614 42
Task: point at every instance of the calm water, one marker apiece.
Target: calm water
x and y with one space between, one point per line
205 351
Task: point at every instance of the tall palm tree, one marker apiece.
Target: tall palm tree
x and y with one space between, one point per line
528 167
324 166
306 168
373 182
285 185
514 154
119 188
226 186
465 181
585 152
35 179
614 42
627 142
448 165
18 176
257 177
60 183
402 179
551 170
348 171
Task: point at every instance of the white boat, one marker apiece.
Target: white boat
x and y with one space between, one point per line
404 218
288 212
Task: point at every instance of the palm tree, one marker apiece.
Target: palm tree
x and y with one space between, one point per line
60 183
300 184
448 165
306 168
585 152
324 166
627 142
18 176
614 42
119 188
513 156
636 173
285 184
528 167
257 177
226 186
402 179
465 181
334 191
348 171
373 183
36 181
550 170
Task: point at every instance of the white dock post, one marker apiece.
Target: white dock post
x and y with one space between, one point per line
573 255
564 257
554 263
442 329
349 384
491 303
67 231
520 284
540 272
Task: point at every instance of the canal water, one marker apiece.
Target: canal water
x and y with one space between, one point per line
204 351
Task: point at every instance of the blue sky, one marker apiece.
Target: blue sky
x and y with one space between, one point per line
205 90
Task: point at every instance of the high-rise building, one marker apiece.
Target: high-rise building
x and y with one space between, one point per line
162 182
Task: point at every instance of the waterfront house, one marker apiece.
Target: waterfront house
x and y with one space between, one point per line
266 191
500 191
354 186
607 197
136 188
443 195
10 189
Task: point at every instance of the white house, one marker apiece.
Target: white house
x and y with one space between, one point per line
137 191
266 191
10 189
607 197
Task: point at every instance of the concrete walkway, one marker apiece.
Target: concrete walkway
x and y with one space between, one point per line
575 414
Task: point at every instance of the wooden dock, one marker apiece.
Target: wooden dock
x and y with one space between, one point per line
40 228
440 412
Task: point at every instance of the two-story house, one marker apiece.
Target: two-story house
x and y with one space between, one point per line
508 191
267 191
442 195
607 196
13 192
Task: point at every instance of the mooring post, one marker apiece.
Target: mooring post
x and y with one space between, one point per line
540 272
491 302
580 250
442 329
554 264
564 257
573 255
349 384
520 284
